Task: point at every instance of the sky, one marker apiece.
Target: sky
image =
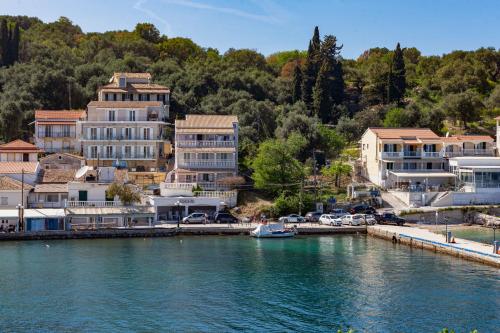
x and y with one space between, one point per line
433 26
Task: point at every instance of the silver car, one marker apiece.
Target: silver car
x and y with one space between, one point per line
329 219
195 218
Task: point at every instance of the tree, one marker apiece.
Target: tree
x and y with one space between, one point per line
397 77
275 169
148 31
312 67
14 47
464 106
4 43
297 84
125 192
336 171
322 104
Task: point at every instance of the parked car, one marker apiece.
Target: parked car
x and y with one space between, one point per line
370 219
292 218
195 218
223 217
329 219
389 218
338 212
313 216
362 209
353 219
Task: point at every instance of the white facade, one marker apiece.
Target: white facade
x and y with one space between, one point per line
206 151
130 134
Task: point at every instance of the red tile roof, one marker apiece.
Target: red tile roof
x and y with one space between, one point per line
17 167
9 184
123 104
59 114
18 146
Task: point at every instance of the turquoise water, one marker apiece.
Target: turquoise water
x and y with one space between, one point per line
222 284
477 234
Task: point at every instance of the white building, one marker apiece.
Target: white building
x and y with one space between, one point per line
19 151
13 192
206 151
125 134
56 130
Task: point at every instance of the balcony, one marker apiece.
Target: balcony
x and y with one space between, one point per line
432 154
121 138
41 204
412 153
479 152
119 156
392 154
205 144
57 134
93 204
211 164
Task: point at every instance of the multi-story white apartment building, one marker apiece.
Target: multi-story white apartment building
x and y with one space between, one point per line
126 134
206 151
56 130
133 87
415 157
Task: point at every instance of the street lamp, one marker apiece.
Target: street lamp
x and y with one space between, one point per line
20 220
178 205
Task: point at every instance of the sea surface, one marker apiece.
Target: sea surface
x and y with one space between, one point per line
229 284
474 233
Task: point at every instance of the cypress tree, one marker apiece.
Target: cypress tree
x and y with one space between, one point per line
4 43
308 77
297 83
322 104
397 77
14 47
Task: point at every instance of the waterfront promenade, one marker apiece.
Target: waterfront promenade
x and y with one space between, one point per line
422 238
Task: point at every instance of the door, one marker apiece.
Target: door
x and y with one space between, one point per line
26 157
82 195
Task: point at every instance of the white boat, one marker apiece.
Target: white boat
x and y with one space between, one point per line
276 230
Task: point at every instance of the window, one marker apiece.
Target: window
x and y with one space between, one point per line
4 201
224 156
145 151
128 133
128 151
141 97
111 115
148 97
122 82
131 115
429 165
65 131
114 97
108 132
48 131
390 166
109 151
93 133
52 197
124 96
106 98
187 156
204 156
93 152
158 97
146 132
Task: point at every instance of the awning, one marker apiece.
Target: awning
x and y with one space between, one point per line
44 213
422 174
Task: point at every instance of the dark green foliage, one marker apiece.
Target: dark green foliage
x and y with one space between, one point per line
397 77
297 84
9 43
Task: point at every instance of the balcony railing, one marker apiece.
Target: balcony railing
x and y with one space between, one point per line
57 135
216 164
56 204
392 154
412 153
119 156
432 154
478 152
93 203
120 137
204 144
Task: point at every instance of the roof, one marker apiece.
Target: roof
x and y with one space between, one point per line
59 114
136 87
51 188
9 184
123 104
402 133
206 123
462 138
17 167
132 75
56 176
19 146
55 156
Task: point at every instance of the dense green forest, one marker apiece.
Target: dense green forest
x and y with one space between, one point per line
296 100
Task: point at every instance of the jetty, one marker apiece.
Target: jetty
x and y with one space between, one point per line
425 239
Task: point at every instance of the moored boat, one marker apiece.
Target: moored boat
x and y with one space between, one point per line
273 230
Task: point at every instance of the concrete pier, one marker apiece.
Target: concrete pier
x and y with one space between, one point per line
166 230
425 239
